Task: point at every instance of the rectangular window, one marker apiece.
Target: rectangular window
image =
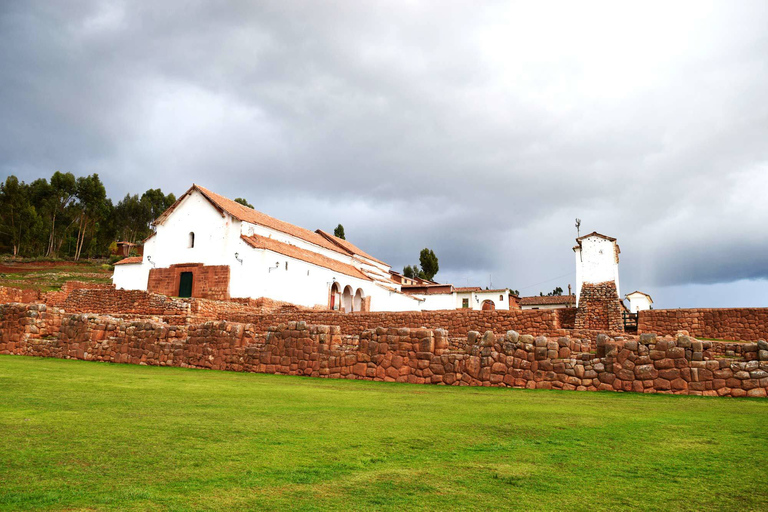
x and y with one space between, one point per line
464 303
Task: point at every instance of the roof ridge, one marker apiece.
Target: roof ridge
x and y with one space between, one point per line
296 252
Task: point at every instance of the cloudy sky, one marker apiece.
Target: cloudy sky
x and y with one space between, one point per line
478 129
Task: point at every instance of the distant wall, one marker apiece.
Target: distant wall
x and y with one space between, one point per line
419 356
108 301
456 322
738 324
8 294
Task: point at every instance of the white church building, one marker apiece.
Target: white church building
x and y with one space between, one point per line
208 246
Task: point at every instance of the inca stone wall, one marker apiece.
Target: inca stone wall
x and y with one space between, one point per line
738 324
599 308
421 356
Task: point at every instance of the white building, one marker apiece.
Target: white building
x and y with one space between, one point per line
597 261
639 301
445 296
206 245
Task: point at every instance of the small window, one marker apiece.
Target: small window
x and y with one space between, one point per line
464 303
286 265
191 240
501 297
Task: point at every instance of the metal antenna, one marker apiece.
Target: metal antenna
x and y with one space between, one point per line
578 225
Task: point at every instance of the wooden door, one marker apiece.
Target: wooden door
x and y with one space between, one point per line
185 284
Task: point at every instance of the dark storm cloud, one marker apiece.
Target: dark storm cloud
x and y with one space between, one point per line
479 132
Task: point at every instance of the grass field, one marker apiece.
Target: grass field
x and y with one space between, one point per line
89 436
48 276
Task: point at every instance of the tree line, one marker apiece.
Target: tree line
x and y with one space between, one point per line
68 217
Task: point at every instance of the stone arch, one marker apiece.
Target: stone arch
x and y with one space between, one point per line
346 299
335 299
488 305
357 301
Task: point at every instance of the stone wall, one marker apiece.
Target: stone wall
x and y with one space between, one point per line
208 281
599 308
125 302
737 324
58 298
420 356
9 294
552 322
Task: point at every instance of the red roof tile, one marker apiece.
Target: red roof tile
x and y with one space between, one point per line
547 300
245 214
347 246
131 260
260 242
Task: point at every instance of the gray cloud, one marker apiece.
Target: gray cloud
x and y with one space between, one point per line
479 132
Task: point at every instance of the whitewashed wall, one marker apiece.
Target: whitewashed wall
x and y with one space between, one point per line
638 302
131 276
596 262
482 296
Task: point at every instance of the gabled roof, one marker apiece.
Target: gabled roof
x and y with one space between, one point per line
347 246
269 244
245 214
595 233
641 293
131 260
547 300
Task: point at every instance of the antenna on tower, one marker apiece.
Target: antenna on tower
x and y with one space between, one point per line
578 225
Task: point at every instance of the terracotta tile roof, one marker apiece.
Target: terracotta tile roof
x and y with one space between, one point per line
128 261
260 242
595 233
468 289
347 246
246 214
547 300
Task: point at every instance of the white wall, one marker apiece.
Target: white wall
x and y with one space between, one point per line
596 262
131 276
492 295
263 273
439 301
638 302
216 237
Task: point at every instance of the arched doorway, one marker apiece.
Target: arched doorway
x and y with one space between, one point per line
346 299
488 305
357 303
335 301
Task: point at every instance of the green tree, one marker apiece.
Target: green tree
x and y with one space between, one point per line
91 196
243 202
18 216
411 272
62 193
429 264
339 232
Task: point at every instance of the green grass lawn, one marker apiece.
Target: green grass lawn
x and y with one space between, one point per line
89 436
49 275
